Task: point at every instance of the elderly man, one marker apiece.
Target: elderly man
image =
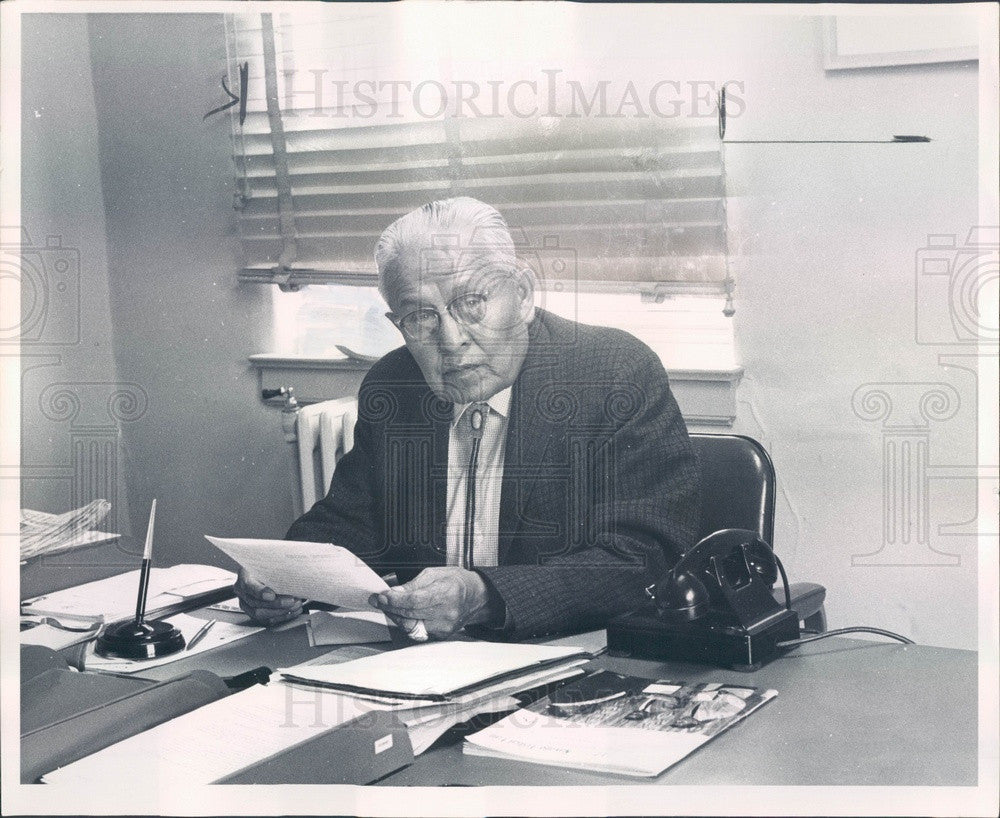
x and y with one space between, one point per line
519 472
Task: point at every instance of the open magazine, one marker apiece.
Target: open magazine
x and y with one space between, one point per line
618 724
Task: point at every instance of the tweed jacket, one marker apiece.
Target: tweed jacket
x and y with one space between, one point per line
600 486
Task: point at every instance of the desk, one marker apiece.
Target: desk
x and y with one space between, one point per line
847 712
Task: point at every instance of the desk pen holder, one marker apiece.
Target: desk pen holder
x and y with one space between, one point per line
139 640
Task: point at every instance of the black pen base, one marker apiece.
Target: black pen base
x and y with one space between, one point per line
148 640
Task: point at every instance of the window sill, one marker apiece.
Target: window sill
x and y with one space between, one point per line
707 397
313 379
273 360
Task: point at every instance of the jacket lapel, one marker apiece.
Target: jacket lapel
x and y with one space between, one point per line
536 420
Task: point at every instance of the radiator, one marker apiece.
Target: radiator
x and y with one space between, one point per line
323 433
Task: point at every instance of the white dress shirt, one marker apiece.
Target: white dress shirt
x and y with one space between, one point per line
488 481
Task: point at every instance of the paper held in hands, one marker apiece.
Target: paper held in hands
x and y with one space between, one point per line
309 570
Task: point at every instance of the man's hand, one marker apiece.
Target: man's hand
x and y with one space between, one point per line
262 604
445 599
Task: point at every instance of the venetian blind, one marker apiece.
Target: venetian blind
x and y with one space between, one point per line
324 163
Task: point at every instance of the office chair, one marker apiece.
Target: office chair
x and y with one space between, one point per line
738 491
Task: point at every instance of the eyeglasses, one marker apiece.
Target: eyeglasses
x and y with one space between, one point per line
468 309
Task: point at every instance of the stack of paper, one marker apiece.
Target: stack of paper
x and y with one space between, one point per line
43 533
440 671
436 686
179 588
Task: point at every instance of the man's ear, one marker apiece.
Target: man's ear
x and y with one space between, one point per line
526 284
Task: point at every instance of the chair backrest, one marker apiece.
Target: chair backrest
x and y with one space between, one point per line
324 432
737 485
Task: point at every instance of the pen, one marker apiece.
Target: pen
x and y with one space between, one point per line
201 633
147 561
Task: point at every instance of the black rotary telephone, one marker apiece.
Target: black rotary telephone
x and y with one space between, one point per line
714 606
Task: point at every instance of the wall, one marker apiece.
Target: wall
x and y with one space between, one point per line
70 438
827 299
825 240
206 448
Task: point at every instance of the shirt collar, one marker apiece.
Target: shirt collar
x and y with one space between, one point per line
499 403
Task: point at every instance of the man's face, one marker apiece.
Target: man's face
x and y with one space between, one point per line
474 349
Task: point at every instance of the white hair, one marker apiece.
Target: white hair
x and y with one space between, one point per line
453 227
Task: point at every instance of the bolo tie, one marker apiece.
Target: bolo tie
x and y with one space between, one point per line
477 420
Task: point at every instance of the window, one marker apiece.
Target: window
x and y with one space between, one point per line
613 185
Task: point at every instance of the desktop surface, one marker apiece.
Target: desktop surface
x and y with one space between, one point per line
848 711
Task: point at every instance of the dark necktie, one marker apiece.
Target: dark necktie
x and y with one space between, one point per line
477 420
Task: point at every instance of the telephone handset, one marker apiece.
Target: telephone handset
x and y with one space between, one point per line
731 571
715 605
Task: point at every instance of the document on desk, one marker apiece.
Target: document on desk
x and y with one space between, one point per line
321 572
180 587
57 638
214 741
613 723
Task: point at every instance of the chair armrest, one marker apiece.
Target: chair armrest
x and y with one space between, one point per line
807 597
